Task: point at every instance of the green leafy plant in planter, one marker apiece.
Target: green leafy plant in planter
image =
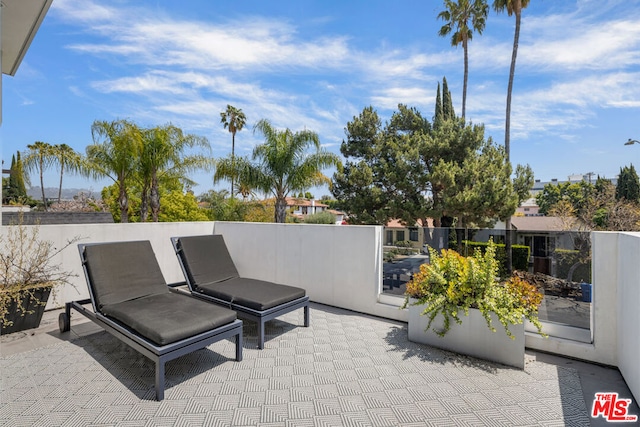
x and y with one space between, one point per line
28 275
452 283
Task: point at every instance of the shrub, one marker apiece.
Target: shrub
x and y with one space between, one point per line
452 283
323 217
568 259
519 255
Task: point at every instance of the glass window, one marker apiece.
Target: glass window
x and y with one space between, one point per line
389 239
413 234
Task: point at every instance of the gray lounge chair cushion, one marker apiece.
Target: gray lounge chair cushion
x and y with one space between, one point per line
128 286
123 271
207 259
255 294
211 271
169 317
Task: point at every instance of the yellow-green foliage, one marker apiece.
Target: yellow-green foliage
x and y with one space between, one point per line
451 283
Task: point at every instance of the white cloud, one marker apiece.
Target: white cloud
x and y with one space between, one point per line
570 63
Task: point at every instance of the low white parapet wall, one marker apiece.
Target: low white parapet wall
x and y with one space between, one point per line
337 265
628 310
158 234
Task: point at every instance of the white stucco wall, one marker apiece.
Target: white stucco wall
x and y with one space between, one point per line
158 234
628 310
338 266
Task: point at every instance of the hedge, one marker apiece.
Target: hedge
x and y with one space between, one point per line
519 255
565 259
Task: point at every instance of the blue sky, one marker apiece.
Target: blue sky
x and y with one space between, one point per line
316 64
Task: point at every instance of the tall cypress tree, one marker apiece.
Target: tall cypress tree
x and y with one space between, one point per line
438 116
447 103
20 184
628 186
12 188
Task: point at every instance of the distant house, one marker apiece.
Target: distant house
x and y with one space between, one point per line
529 208
301 208
417 235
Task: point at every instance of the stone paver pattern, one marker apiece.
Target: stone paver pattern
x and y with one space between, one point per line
346 369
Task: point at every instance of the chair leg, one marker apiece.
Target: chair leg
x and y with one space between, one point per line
261 334
239 346
159 380
306 316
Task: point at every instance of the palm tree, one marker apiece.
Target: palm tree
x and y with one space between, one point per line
234 119
39 157
456 17
163 156
115 154
280 165
66 157
513 7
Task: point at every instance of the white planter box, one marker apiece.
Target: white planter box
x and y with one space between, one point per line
472 337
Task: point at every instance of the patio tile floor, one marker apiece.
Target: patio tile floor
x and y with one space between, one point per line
345 369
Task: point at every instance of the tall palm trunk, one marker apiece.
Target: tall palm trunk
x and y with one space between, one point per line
512 72
466 76
44 199
154 198
123 202
281 209
507 131
144 202
233 150
60 187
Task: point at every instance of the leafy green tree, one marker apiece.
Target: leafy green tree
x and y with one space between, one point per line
411 171
577 194
628 186
281 165
68 160
163 155
221 207
457 16
115 154
233 119
39 157
179 206
522 182
383 176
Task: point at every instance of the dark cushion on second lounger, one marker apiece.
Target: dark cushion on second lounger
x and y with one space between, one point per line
255 294
208 259
169 317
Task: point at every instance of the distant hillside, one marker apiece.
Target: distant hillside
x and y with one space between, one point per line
67 193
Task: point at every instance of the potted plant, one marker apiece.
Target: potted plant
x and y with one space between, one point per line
28 276
452 285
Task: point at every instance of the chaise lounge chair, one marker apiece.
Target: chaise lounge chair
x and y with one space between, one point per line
132 301
212 275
